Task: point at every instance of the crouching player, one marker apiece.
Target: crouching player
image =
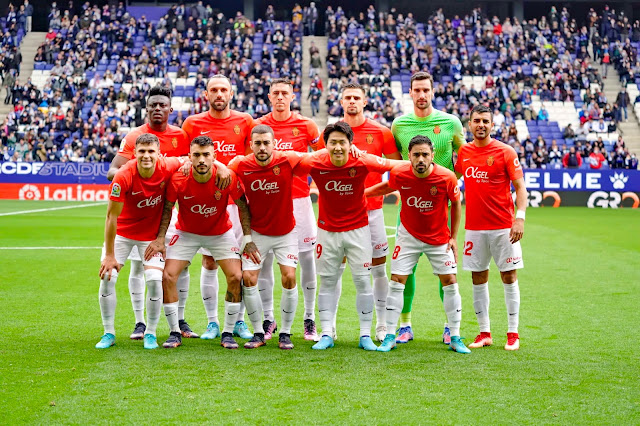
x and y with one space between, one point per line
133 218
267 176
203 222
426 189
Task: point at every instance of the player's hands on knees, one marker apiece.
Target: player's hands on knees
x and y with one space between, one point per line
154 247
355 151
453 245
223 177
517 231
252 252
108 264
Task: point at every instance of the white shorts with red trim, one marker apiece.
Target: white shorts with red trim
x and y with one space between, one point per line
306 227
185 245
332 247
123 247
481 246
379 241
284 247
408 250
236 227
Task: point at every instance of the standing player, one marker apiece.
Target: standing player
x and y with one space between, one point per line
292 132
446 133
203 221
489 168
426 190
174 142
344 226
267 177
372 138
133 217
230 132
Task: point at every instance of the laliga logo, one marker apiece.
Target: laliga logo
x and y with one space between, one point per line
332 185
282 146
262 185
203 209
150 202
219 146
417 202
29 192
473 172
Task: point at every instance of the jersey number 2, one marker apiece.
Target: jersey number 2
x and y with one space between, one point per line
467 248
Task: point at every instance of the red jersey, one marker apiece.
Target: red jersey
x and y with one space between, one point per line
372 137
202 206
268 189
488 172
174 142
231 136
425 202
297 133
342 205
143 198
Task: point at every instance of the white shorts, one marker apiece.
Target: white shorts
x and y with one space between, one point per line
379 241
170 233
305 224
236 227
480 246
332 247
284 247
123 247
185 245
408 250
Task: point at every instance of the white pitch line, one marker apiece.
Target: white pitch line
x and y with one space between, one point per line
389 227
51 209
49 248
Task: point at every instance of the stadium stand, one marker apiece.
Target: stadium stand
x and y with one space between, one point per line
544 78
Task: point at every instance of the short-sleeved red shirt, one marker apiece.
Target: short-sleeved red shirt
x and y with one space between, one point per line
488 172
143 198
425 201
174 142
342 205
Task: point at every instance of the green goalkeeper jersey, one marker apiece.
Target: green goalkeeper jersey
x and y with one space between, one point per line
444 130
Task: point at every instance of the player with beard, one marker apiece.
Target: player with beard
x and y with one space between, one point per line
230 132
447 135
489 168
174 142
203 221
292 132
426 190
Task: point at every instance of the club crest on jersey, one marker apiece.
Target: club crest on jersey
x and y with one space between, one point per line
369 138
174 142
236 129
162 184
352 172
433 190
490 161
436 130
276 170
218 194
295 131
115 190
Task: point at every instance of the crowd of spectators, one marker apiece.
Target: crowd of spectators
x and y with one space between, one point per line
102 61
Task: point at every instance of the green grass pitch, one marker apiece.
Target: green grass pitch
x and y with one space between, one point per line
578 361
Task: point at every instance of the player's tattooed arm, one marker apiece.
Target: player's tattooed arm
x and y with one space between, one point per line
223 175
517 229
110 226
117 162
248 248
157 245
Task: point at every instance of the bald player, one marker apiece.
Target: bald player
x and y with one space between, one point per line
230 132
